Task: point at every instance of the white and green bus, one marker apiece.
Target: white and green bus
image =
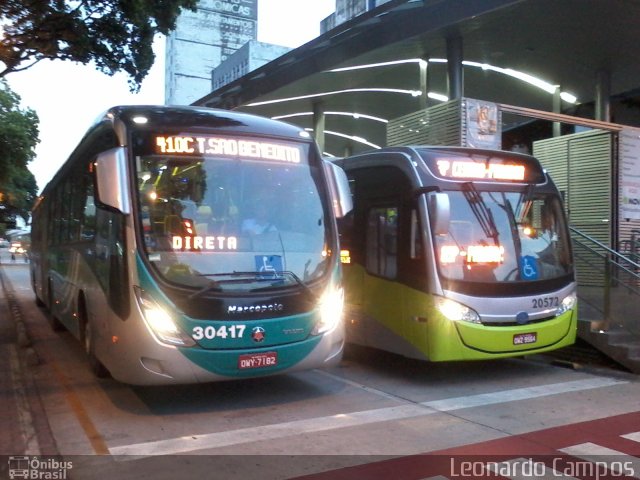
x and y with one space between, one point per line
184 245
455 253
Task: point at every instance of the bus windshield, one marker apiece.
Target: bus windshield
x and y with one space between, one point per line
498 236
235 220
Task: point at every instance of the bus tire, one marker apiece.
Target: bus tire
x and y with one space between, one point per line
55 324
39 303
88 342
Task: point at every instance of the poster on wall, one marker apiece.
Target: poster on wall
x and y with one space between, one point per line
483 125
629 181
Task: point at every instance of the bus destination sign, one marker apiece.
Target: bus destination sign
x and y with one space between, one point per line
468 169
208 145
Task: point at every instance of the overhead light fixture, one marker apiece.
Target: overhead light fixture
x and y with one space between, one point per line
525 77
437 96
355 138
377 65
567 97
413 93
522 76
346 114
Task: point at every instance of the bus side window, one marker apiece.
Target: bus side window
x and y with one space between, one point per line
415 250
345 227
412 270
382 241
111 261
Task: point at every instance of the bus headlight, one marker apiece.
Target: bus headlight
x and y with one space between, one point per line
567 304
331 306
456 312
160 322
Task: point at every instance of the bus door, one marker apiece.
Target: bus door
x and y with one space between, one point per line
413 275
382 294
386 249
394 290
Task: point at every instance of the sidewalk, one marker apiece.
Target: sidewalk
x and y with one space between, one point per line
24 426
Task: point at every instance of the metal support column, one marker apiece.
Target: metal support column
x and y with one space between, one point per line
455 80
424 84
318 124
557 108
603 96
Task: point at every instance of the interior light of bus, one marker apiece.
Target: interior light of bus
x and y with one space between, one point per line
481 170
472 254
153 195
449 253
485 254
345 256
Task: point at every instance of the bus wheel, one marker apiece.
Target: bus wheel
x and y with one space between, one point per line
88 340
55 324
39 302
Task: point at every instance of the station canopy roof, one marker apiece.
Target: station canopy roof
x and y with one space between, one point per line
561 42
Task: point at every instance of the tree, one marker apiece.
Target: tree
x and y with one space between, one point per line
18 139
115 34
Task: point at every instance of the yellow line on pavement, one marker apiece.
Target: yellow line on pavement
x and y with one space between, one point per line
90 430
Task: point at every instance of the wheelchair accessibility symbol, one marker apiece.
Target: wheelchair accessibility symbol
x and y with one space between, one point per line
268 264
529 267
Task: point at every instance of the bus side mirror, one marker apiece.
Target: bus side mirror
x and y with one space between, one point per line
440 212
112 179
339 188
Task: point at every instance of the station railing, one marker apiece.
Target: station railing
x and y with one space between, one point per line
608 285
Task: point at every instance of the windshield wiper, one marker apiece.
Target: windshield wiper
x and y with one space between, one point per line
254 276
295 278
481 211
214 285
525 199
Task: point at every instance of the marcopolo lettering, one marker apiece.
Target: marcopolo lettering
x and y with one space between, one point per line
260 308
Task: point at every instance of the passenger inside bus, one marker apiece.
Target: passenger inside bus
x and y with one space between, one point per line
261 221
202 219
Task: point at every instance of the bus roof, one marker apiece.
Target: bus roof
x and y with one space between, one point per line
164 117
193 117
450 163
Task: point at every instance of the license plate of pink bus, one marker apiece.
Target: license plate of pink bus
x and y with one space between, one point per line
258 360
525 338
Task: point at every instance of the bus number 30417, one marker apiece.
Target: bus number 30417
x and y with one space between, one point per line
211 332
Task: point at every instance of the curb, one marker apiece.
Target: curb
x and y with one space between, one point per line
22 334
27 358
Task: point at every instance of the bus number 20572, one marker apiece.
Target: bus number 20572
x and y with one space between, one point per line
545 302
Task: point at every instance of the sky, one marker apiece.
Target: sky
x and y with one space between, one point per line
68 96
